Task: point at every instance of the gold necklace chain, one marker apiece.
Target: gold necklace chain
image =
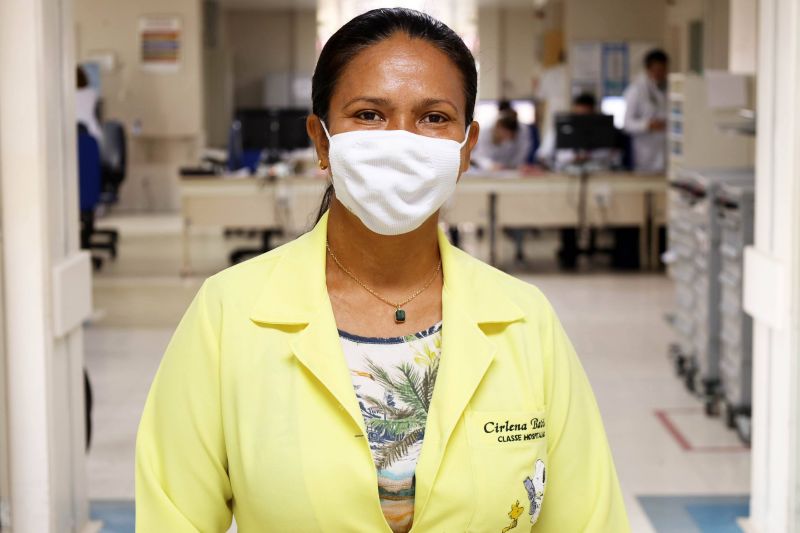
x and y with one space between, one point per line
400 314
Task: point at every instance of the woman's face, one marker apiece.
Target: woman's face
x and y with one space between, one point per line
398 83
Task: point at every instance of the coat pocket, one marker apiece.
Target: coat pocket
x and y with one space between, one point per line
509 455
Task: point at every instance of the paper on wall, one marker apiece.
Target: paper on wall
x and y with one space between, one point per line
726 90
585 60
160 43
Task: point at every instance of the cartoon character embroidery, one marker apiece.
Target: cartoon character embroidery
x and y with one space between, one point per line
535 488
514 514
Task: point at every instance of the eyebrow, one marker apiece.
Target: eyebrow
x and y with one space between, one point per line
427 102
369 99
430 102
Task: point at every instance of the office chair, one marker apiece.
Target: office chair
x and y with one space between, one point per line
114 162
89 177
114 155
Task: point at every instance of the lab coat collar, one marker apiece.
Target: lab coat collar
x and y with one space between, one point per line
295 289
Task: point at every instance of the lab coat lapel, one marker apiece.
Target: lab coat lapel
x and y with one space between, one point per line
467 353
295 294
319 349
466 356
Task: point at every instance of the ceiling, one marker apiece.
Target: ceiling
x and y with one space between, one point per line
268 4
308 4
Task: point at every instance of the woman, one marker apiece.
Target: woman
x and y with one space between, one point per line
369 376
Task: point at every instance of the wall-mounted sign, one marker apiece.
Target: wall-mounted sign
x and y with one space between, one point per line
160 42
614 69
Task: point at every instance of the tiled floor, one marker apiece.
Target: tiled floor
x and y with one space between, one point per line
695 514
615 321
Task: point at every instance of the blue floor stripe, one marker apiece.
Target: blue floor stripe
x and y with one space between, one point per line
667 514
117 516
695 514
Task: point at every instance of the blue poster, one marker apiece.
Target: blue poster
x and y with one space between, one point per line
614 69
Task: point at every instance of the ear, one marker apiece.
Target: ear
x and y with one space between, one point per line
466 151
318 137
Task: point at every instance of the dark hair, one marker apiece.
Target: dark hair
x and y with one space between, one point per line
585 99
508 121
655 56
82 80
375 26
371 28
504 105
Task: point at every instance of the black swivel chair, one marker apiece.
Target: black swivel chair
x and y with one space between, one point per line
113 156
89 171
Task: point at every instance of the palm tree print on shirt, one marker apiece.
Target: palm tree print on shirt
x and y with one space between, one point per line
394 380
392 429
400 427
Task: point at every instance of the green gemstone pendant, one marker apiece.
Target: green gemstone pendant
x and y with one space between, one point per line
399 316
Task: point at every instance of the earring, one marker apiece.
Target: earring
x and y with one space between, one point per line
322 165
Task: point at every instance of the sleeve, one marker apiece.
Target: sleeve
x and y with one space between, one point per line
582 491
635 120
523 146
182 482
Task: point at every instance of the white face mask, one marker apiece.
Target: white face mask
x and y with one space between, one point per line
393 180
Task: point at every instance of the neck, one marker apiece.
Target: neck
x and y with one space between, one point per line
383 261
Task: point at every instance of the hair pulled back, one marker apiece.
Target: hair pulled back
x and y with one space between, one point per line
369 29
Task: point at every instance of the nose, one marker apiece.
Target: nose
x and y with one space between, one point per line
403 122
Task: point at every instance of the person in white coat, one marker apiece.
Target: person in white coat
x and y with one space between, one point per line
86 104
646 114
553 89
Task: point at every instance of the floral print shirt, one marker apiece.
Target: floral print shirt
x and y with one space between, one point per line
393 380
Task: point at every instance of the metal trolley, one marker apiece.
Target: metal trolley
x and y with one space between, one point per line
694 264
735 212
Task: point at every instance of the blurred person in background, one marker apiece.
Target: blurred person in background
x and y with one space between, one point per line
552 94
87 106
508 146
646 114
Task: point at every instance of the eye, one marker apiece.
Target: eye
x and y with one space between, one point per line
434 118
369 116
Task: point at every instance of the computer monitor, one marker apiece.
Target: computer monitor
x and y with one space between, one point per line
292 129
585 132
275 130
256 128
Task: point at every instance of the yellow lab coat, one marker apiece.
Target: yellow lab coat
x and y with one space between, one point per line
253 412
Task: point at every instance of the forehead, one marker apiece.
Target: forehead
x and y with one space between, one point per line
401 67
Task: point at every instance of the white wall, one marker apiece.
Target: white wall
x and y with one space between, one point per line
510 48
614 20
265 42
772 275
218 93
718 40
743 36
169 106
40 233
252 43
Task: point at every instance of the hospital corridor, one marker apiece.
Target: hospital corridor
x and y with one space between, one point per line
278 266
678 471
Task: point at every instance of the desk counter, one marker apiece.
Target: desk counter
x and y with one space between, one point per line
503 199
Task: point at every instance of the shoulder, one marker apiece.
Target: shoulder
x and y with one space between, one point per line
496 284
636 87
242 283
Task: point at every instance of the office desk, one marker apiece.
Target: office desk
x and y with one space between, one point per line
552 201
549 201
288 204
